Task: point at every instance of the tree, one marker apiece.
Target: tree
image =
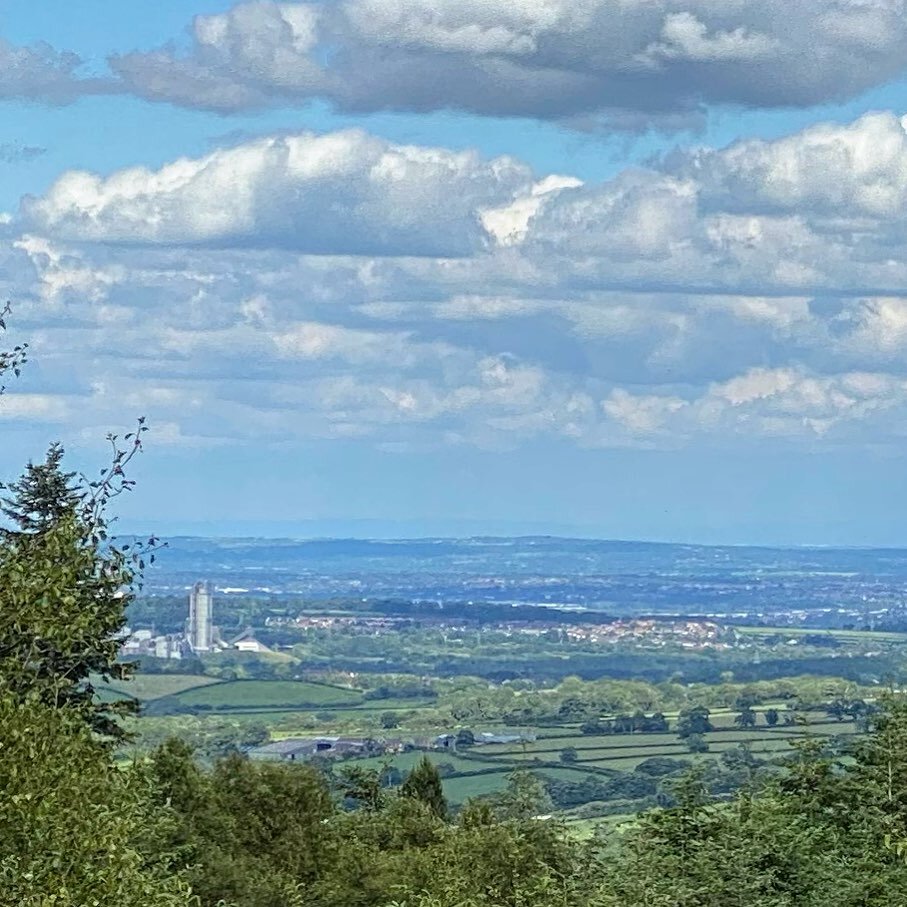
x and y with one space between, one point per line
64 586
389 720
771 717
595 728
569 755
424 784
657 724
837 709
746 718
696 743
524 797
72 823
693 721
465 737
362 786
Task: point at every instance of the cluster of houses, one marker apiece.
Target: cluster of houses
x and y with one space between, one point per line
302 748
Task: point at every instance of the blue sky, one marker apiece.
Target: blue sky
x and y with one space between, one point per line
626 269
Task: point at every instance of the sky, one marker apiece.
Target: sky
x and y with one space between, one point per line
613 268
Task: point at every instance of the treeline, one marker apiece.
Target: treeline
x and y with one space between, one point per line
392 655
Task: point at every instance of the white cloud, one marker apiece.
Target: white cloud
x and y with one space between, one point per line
685 37
661 307
341 193
629 61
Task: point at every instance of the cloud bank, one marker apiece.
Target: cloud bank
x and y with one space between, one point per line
342 286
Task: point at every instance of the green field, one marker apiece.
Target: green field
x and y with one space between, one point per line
146 687
484 769
246 695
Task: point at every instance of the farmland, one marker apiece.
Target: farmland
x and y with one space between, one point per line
146 687
247 695
484 769
582 739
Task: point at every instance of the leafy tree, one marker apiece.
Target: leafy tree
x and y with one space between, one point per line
595 727
524 797
569 755
771 717
657 724
389 720
746 718
694 721
465 737
424 784
64 587
696 743
74 828
363 787
658 766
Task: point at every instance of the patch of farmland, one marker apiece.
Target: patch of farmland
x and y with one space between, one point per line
267 694
459 790
146 687
405 762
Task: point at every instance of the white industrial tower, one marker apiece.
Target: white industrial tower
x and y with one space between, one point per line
200 630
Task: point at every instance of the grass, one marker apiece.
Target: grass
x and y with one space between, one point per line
267 694
459 790
625 751
407 761
146 687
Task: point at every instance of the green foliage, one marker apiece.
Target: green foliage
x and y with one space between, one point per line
250 834
74 829
389 720
696 743
424 784
465 738
525 797
694 721
746 718
63 588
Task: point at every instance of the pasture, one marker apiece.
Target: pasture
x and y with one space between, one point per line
271 695
147 687
484 769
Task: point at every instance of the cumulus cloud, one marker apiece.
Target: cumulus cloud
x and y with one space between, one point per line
821 210
343 193
787 402
630 62
340 286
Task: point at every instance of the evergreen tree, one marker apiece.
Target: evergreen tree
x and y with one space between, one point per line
64 588
424 784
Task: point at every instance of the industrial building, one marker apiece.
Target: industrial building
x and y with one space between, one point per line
200 626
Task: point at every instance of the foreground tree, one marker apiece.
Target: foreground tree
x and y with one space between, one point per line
75 829
64 587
